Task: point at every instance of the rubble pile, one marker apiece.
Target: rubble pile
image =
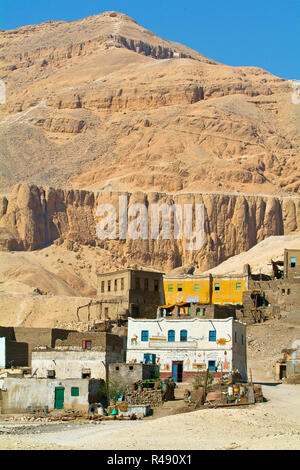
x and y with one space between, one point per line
224 394
292 379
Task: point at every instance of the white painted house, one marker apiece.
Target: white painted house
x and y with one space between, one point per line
183 347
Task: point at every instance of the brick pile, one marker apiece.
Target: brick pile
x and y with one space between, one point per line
145 397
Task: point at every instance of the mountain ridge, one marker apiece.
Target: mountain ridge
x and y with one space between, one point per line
101 103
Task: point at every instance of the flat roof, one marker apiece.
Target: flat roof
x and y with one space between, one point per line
204 276
180 320
128 270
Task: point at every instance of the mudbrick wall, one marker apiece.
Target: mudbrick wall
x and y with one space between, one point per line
283 293
33 337
32 217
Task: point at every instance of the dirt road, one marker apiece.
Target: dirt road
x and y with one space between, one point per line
274 424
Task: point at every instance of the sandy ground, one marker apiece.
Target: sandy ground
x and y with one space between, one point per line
274 424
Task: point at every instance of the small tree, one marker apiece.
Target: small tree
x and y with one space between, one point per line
199 381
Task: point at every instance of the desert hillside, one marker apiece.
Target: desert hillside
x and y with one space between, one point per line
102 103
259 257
44 287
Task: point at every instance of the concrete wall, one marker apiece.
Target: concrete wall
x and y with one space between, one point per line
292 367
69 364
18 394
127 374
239 349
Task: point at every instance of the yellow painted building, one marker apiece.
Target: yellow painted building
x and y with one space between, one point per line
205 289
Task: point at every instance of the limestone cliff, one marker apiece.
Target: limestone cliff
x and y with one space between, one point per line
33 217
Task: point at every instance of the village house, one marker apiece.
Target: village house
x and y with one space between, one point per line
277 292
205 289
80 356
255 297
130 292
23 395
184 347
289 365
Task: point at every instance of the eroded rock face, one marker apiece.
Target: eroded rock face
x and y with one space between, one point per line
34 216
102 103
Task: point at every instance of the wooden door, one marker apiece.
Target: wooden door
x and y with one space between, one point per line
59 398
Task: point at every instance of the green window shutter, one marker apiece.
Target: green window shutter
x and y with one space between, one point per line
196 288
238 286
74 391
170 287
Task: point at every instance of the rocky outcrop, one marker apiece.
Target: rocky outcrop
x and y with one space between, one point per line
33 217
68 125
115 99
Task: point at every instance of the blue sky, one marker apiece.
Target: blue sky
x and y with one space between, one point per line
262 33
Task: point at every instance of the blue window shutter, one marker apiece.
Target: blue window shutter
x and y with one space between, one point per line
171 335
183 335
212 335
145 335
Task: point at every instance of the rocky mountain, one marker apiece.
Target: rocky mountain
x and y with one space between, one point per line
101 108
102 103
